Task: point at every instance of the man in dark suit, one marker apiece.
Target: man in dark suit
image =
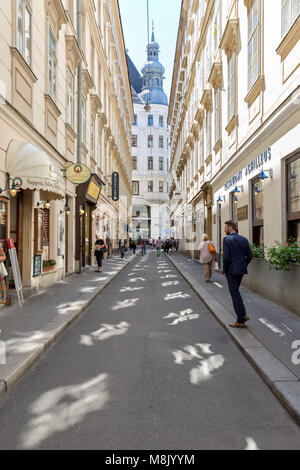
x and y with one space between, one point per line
236 257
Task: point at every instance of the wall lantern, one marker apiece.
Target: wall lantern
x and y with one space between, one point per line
147 107
235 200
262 176
237 190
256 190
220 200
81 211
47 204
14 187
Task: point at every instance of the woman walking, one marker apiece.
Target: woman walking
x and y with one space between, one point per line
206 256
99 251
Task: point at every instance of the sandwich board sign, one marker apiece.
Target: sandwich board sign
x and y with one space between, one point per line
15 269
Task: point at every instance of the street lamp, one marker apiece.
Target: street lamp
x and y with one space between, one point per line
14 187
220 200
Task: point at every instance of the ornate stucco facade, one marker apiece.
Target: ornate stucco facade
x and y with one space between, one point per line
39 112
235 111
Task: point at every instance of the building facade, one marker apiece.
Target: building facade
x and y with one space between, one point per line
42 68
235 111
150 152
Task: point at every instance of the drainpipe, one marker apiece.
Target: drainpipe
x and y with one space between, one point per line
78 217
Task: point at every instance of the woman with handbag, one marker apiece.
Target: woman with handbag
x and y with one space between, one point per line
3 273
100 249
207 252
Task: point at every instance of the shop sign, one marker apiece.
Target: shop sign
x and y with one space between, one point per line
115 186
93 190
254 165
78 173
242 213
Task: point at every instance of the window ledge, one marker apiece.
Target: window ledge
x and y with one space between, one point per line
232 124
257 87
53 105
229 39
290 40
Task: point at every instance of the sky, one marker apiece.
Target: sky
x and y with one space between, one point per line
165 14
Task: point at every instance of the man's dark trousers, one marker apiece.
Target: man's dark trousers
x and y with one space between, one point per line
234 282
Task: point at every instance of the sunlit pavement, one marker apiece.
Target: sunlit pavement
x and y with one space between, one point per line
145 367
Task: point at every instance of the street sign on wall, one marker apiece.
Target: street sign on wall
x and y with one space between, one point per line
115 186
78 173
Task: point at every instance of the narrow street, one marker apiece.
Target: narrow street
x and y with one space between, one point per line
145 367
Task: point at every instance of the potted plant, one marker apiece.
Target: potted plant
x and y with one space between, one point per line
282 256
48 265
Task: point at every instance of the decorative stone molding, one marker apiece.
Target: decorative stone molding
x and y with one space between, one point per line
23 80
258 86
84 153
73 52
232 124
96 105
52 114
102 120
195 129
229 39
248 4
57 14
87 83
290 40
184 62
218 146
206 99
70 137
215 76
199 116
181 76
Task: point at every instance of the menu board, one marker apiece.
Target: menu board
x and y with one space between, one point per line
37 265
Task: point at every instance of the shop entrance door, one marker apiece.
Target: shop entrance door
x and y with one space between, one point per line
20 216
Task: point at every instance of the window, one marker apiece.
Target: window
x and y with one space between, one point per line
161 186
135 120
92 59
83 121
135 188
217 115
92 150
161 163
231 87
150 120
217 25
258 212
134 140
134 163
150 141
167 164
24 29
208 133
150 163
150 186
290 9
70 99
253 44
233 207
3 220
100 150
52 66
161 121
293 197
161 142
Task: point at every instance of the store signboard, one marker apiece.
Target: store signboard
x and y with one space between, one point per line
15 269
93 190
78 173
37 265
115 186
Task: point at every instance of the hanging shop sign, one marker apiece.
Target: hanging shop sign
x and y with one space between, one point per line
115 186
78 173
93 190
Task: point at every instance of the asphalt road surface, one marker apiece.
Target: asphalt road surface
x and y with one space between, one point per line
145 367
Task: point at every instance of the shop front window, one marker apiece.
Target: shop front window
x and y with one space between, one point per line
3 221
293 199
258 212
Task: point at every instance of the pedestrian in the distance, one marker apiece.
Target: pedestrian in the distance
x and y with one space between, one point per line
167 246
206 256
99 252
158 246
143 245
134 246
122 246
236 257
